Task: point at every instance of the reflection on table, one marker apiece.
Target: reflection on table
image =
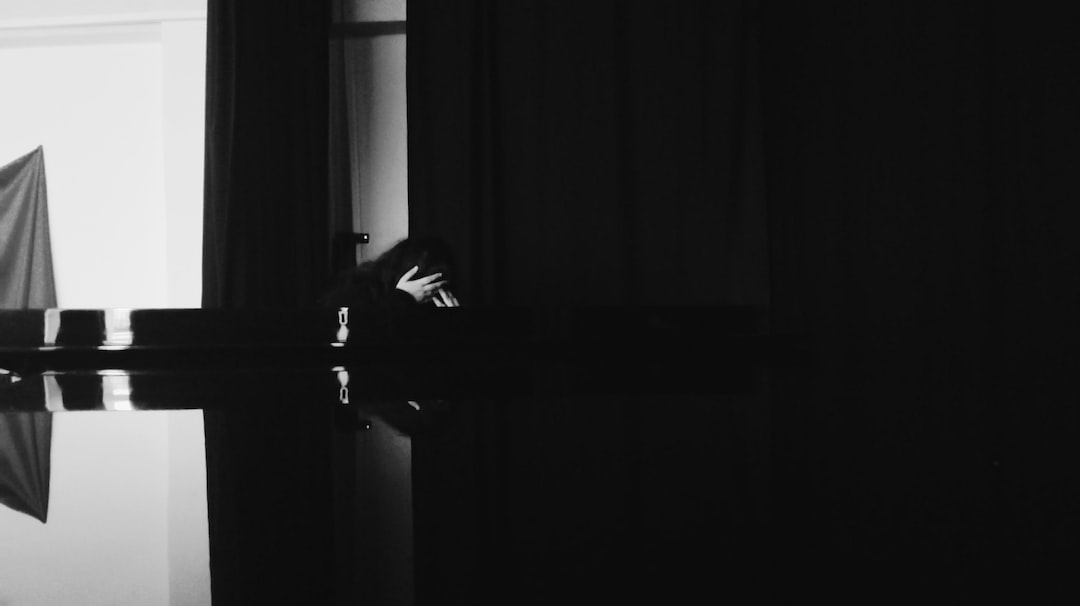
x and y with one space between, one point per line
454 456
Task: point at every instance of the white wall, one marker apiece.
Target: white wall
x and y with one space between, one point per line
37 12
188 529
113 90
377 98
127 516
119 110
374 10
184 90
95 104
104 542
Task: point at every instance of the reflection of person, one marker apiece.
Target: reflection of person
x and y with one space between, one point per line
414 271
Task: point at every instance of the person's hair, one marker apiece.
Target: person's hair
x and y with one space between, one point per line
430 253
371 281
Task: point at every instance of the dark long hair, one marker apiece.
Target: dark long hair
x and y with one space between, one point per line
373 280
430 253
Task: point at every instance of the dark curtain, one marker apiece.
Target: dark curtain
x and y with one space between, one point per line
343 244
924 207
267 244
266 228
26 282
892 180
591 154
600 153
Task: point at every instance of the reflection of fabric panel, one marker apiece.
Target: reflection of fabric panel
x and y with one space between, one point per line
26 273
24 462
26 281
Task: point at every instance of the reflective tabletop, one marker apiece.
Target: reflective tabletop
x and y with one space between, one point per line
345 456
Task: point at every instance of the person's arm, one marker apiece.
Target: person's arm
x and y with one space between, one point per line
398 298
361 289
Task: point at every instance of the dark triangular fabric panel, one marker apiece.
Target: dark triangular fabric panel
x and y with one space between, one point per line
25 441
26 282
26 273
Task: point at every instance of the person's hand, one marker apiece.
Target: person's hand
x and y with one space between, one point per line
445 298
421 289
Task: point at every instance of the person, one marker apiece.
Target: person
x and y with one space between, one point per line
414 271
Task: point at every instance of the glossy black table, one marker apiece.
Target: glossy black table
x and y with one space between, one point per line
551 450
423 354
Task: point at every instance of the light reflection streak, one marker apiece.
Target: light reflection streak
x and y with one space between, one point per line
54 396
116 390
51 327
118 333
343 381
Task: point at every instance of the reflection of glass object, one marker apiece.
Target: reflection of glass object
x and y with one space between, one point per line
52 327
6 376
343 380
118 334
54 396
82 330
343 327
116 390
103 389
